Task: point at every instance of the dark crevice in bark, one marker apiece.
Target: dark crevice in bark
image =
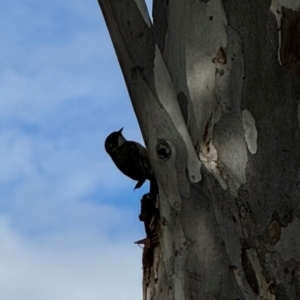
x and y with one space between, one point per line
149 215
290 41
249 271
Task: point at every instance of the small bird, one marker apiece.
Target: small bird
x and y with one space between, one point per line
130 157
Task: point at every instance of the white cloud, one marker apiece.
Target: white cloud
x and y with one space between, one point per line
76 267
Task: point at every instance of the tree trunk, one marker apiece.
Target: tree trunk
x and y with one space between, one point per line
217 82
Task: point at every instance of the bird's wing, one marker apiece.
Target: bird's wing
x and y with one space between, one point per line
144 161
128 159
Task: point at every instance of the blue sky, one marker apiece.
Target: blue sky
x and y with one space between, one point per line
68 217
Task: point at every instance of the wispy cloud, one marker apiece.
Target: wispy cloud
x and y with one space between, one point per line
71 266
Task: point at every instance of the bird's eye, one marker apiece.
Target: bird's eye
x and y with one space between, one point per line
110 145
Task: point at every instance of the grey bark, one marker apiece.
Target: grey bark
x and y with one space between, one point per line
218 82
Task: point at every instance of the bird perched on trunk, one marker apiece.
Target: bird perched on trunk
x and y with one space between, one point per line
130 157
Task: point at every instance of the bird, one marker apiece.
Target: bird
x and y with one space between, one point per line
130 157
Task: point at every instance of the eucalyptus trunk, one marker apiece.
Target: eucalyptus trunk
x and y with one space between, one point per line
215 86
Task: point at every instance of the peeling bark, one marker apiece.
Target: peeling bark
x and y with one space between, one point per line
217 82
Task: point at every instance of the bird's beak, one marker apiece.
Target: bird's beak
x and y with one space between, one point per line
120 131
